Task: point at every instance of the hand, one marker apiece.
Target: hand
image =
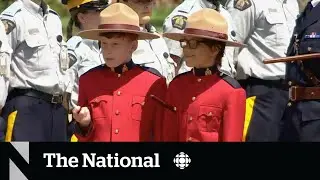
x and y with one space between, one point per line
82 116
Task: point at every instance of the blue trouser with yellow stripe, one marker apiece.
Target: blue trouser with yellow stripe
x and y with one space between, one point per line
265 106
34 120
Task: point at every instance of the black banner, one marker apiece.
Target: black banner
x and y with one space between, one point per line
154 160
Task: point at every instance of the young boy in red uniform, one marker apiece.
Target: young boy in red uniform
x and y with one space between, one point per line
207 106
115 100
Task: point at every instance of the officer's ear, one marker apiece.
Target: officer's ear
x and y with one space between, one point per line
215 49
81 18
134 45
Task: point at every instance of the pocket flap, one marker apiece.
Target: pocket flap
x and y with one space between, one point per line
209 111
309 110
138 100
99 107
275 18
35 41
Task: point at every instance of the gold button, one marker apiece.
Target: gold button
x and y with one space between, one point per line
116 131
193 98
118 93
199 80
289 104
119 75
290 83
190 118
117 112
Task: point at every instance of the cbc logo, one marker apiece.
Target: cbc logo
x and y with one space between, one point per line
182 160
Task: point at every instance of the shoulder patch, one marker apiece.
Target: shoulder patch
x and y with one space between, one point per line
13 9
8 25
242 4
179 21
151 70
234 83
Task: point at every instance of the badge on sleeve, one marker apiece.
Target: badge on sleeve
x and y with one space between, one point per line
242 4
179 22
8 25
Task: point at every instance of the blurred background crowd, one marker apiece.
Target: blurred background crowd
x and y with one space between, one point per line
163 8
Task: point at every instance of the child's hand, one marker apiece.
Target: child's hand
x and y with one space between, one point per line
82 115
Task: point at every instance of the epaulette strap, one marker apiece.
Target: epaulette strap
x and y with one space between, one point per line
151 70
54 12
13 9
234 83
188 5
94 69
74 42
181 74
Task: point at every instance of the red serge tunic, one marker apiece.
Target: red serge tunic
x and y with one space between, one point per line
205 108
120 104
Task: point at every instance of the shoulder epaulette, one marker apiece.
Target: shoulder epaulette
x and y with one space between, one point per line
13 9
151 70
180 75
234 83
187 6
74 42
99 67
54 12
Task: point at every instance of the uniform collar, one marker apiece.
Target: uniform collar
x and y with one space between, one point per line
204 71
315 2
35 8
123 67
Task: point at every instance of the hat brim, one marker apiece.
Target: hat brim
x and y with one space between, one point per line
94 34
180 36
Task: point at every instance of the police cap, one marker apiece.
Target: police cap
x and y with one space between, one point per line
85 4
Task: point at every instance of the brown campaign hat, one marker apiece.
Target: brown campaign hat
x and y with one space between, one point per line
118 17
208 24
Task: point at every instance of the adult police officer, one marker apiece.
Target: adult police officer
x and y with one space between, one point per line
176 22
302 119
151 53
5 54
34 110
266 29
84 54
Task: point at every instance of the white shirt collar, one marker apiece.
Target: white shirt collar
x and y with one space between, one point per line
315 2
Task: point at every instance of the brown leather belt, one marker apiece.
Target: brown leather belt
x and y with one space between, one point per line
304 93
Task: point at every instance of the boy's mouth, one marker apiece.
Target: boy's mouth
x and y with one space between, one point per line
109 59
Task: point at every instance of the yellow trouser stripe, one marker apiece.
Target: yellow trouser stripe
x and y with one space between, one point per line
74 138
249 110
10 124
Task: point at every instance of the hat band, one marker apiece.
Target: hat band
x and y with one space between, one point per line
119 26
206 33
